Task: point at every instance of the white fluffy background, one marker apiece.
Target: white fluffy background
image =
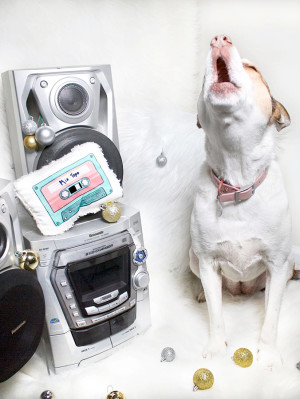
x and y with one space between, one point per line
157 50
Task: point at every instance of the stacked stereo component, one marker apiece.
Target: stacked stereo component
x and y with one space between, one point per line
94 277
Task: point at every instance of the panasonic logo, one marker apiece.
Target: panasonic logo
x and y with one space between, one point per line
95 234
18 327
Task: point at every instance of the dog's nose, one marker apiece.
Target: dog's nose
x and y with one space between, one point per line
221 41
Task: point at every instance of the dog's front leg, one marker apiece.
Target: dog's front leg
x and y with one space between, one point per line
211 278
268 355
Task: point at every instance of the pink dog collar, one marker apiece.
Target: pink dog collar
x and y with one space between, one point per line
227 192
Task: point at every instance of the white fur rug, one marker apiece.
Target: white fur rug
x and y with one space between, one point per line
164 196
157 50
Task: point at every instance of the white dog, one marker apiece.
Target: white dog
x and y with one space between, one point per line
240 225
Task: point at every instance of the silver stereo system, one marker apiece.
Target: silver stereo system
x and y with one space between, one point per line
95 281
94 277
77 103
22 307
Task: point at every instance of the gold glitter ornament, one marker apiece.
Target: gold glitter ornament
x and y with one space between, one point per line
111 212
28 260
115 395
243 357
203 379
30 142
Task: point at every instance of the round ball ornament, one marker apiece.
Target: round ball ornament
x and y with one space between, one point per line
30 142
161 160
28 260
111 212
203 379
167 355
29 126
243 357
45 135
47 395
115 395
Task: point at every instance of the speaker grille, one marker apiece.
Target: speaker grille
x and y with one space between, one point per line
73 99
22 313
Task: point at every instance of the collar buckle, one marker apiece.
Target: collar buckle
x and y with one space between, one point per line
243 189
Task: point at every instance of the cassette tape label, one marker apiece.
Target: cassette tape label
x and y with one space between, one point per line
77 185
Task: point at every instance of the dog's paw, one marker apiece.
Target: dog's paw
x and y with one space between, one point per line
215 347
268 357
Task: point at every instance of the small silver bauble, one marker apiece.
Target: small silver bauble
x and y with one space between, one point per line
167 355
29 126
161 160
47 395
45 135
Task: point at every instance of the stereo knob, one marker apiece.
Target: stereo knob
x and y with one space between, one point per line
141 280
139 256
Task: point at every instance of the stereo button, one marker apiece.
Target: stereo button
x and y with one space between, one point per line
81 323
63 283
106 297
123 297
114 304
69 296
91 310
104 308
72 306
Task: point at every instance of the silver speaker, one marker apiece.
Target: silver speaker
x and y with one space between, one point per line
22 307
76 103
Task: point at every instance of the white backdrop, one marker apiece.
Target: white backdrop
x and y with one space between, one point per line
157 51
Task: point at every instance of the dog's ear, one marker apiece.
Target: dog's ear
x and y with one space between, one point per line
280 116
198 123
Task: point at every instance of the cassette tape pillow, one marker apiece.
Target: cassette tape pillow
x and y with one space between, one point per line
76 184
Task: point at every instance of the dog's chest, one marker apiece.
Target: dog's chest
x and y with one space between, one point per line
240 260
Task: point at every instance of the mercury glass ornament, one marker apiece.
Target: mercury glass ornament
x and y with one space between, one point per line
111 212
243 357
161 160
47 395
29 126
28 260
203 379
115 395
167 355
30 142
45 135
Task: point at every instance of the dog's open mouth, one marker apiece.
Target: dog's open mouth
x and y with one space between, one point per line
222 71
223 84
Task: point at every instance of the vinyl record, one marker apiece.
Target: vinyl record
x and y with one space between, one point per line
67 139
22 314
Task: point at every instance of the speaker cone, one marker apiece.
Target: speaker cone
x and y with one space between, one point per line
72 99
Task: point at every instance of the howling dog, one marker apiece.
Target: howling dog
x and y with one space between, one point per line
240 224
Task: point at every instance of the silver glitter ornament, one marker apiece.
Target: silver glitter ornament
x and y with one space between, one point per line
29 126
47 395
45 135
167 355
161 160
